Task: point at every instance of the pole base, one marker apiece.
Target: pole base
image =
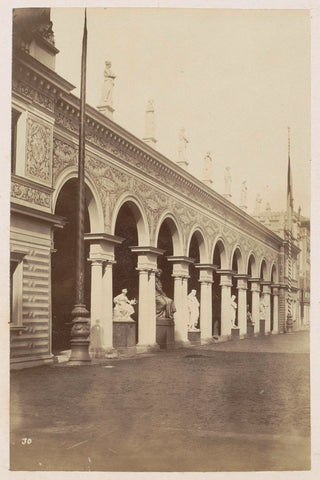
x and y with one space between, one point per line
79 352
289 324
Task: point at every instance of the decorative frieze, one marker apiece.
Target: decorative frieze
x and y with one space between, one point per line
38 150
64 155
30 195
33 94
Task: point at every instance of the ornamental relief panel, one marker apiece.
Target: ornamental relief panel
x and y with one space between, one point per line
38 150
64 155
31 195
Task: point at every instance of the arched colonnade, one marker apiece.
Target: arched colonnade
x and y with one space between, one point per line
127 257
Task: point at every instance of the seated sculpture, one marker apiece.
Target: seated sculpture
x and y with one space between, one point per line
123 307
165 307
193 309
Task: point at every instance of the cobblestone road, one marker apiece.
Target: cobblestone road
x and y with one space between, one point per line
233 406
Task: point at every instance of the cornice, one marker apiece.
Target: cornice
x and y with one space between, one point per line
115 135
31 184
55 220
39 74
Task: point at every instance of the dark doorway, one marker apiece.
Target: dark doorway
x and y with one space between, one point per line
125 274
63 267
165 243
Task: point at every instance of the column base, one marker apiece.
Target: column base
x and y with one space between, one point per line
147 348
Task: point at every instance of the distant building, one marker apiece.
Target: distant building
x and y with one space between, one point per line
277 222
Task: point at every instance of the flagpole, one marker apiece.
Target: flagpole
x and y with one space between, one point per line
289 322
80 325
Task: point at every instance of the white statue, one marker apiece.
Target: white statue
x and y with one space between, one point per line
123 307
243 197
233 309
257 207
263 308
107 91
193 309
183 148
150 121
207 172
227 182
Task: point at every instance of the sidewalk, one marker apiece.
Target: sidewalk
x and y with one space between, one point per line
233 406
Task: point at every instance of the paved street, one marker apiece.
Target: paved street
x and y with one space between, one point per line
233 406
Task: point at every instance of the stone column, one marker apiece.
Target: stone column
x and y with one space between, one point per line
226 284
266 292
107 305
242 286
181 275
255 289
147 266
275 293
205 279
102 258
96 290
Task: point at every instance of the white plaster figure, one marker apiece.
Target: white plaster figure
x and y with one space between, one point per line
263 308
123 307
107 92
227 181
243 197
193 309
233 308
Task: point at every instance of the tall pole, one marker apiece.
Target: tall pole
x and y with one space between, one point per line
289 323
81 328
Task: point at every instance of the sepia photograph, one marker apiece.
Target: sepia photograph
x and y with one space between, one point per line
159 181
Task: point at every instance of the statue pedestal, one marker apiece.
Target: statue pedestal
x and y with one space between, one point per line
235 333
165 333
250 330
194 337
262 327
124 333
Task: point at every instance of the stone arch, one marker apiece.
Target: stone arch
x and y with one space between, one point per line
139 214
92 198
274 273
263 271
175 230
254 265
220 243
203 246
236 252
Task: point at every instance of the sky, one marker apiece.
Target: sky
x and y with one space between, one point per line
234 79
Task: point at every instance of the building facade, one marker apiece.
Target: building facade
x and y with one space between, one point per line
143 212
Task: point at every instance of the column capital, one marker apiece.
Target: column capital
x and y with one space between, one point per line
180 259
242 283
147 257
180 274
147 250
102 245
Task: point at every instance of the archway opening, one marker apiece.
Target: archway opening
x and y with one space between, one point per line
251 264
125 274
165 243
273 281
193 281
235 269
63 265
216 290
